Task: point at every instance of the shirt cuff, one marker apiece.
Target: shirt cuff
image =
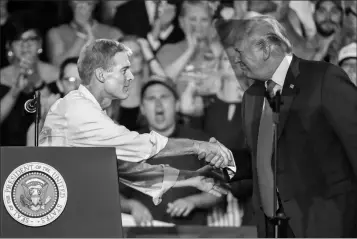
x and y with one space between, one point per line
158 142
232 169
170 178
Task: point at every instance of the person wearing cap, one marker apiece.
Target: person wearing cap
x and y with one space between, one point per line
159 106
347 59
78 120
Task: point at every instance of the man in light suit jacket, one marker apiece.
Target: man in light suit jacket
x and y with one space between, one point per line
317 133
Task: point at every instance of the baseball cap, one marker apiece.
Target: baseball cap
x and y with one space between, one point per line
347 52
158 80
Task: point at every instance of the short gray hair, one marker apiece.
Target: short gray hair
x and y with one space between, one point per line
265 29
98 54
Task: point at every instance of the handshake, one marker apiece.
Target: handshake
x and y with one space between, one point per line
214 153
208 178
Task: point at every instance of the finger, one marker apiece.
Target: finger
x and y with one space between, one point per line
169 208
209 157
174 212
180 211
217 158
213 140
201 156
218 164
186 212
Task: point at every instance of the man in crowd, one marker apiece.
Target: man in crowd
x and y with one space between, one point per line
317 131
159 106
78 120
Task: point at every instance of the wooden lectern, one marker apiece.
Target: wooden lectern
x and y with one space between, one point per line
35 193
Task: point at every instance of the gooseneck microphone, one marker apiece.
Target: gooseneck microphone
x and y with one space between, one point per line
31 105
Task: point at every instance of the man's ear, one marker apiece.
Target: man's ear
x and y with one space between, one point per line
99 74
266 49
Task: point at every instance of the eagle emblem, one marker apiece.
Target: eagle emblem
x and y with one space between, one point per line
34 194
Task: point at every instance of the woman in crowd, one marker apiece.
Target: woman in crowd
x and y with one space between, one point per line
25 74
66 40
195 57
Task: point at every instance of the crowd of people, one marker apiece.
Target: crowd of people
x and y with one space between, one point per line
184 83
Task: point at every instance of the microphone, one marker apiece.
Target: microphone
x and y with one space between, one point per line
31 105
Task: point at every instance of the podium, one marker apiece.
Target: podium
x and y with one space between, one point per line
59 192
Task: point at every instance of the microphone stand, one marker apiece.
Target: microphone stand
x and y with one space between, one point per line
34 106
278 217
38 115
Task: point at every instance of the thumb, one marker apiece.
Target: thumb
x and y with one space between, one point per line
213 140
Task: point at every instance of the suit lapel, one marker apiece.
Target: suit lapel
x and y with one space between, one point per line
290 90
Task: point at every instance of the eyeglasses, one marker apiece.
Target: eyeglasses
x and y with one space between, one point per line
28 40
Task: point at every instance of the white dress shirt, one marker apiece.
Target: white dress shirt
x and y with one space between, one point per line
77 120
280 73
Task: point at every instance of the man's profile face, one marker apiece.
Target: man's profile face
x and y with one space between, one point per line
250 59
159 107
327 18
117 78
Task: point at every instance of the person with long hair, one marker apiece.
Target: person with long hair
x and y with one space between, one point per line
25 74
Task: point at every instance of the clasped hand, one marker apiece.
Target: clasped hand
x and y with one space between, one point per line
215 153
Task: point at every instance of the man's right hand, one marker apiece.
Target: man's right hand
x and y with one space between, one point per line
214 153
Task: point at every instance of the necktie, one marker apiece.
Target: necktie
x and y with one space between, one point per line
264 156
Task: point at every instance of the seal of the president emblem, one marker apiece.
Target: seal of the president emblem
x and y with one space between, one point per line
35 194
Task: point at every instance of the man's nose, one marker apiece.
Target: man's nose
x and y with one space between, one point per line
130 76
158 103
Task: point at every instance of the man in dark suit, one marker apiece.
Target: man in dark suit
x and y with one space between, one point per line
317 133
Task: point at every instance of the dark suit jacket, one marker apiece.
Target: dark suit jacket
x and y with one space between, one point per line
317 149
132 18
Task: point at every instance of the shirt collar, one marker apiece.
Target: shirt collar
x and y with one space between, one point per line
87 94
280 73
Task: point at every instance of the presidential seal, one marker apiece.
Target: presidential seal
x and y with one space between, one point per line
35 194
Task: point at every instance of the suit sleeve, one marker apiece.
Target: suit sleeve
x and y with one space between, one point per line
242 157
339 101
